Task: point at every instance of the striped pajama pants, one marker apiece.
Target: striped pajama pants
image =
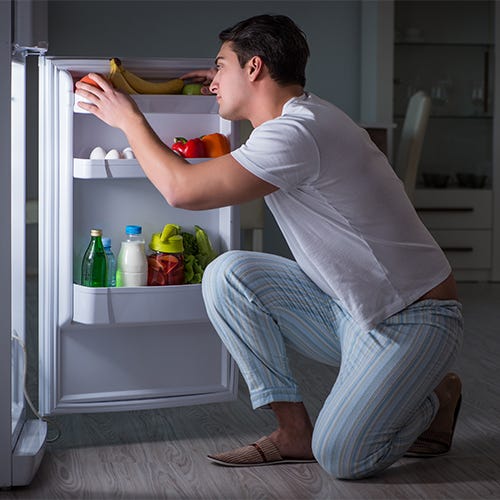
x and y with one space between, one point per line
383 396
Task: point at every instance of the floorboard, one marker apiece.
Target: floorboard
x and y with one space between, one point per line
160 454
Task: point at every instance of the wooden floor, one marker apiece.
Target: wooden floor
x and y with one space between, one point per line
161 454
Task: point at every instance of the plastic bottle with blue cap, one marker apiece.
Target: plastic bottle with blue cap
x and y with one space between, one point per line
111 260
132 264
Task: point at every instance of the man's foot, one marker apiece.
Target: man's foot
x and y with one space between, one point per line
290 443
436 440
262 452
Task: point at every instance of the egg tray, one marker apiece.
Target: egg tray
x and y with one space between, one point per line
104 169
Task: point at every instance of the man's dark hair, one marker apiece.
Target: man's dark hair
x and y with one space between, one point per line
277 40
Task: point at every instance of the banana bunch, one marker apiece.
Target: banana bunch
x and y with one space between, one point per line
130 83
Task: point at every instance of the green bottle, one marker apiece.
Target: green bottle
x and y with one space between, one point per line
94 266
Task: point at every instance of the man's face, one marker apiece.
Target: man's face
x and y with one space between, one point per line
230 84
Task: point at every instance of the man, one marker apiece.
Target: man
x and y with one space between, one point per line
370 291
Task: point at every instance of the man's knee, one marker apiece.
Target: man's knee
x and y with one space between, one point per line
219 274
343 456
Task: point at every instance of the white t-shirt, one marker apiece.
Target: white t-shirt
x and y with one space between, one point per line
343 211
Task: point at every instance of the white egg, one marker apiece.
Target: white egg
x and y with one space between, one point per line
128 154
112 154
98 153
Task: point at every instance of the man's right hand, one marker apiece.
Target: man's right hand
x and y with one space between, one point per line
112 106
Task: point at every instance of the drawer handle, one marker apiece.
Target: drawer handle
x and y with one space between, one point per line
446 209
457 249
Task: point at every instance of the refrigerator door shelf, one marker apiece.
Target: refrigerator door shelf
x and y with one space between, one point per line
112 169
171 103
151 68
147 304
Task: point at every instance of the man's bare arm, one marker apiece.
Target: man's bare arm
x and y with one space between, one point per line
215 183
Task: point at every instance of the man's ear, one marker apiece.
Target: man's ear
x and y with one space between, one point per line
255 67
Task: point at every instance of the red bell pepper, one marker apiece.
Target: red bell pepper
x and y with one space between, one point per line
194 148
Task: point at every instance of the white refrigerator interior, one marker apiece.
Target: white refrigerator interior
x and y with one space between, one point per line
104 349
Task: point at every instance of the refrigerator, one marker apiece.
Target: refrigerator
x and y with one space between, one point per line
22 440
105 349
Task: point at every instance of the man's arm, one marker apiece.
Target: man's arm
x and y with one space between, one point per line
215 183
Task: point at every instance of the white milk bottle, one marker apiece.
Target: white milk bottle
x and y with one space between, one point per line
132 265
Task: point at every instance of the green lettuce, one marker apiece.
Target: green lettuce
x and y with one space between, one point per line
198 253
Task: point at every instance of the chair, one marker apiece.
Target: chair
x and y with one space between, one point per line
412 139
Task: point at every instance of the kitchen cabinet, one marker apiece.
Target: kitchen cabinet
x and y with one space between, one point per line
461 222
447 49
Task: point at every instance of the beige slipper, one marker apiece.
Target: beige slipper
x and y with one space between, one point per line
263 452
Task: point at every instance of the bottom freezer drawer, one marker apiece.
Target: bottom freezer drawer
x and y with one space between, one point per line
142 366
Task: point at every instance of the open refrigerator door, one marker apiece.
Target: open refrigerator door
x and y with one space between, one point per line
105 349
